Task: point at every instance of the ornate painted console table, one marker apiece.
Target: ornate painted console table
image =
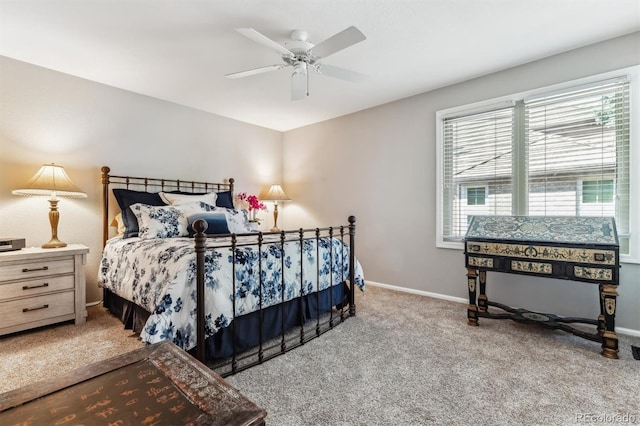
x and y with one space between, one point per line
574 248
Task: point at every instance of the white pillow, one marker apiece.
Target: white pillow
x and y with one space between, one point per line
179 199
160 221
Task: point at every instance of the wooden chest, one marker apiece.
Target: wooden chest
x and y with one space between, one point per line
157 384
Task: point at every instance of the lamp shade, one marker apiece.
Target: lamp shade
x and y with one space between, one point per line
276 193
51 180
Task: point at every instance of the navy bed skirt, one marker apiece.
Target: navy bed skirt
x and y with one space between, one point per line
247 327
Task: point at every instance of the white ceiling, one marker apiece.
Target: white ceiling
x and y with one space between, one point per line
180 50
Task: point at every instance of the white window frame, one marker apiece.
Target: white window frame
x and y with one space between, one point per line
633 75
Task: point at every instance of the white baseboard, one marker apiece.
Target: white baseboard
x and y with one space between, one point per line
628 331
419 292
621 330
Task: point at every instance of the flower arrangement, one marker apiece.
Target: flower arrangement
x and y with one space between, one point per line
253 204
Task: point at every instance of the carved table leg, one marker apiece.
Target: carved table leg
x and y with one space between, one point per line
608 295
601 322
472 310
482 297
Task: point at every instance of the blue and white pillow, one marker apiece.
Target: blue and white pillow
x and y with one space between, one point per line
165 221
196 207
159 221
237 220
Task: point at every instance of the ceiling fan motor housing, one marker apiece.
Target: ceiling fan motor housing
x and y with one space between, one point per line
299 35
300 47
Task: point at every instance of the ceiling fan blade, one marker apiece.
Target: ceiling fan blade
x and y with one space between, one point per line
255 71
254 35
341 73
340 41
298 86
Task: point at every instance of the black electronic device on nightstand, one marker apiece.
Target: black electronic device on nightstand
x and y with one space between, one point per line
9 244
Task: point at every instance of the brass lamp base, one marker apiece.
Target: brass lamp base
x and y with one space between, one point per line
275 218
54 218
54 243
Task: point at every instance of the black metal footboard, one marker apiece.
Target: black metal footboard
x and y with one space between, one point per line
289 323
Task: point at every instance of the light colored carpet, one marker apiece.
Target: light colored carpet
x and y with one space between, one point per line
31 356
411 360
404 360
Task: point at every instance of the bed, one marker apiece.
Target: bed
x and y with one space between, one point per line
186 266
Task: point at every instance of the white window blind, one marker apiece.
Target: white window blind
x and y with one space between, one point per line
477 153
561 154
578 154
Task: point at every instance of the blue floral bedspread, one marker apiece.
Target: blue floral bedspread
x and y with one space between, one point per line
160 276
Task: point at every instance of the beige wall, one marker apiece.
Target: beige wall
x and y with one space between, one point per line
46 116
380 164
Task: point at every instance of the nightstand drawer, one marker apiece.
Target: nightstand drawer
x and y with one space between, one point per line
25 270
35 287
40 287
23 311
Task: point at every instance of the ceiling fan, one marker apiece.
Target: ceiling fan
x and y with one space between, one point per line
303 55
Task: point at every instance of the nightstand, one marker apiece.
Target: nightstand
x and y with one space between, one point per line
41 287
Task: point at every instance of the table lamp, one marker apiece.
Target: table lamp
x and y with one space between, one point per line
275 194
51 180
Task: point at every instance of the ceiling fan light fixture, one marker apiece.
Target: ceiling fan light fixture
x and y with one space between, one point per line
300 68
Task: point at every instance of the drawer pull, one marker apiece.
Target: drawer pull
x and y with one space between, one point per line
29 287
35 309
44 268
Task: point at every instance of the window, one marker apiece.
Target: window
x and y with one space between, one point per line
476 196
597 191
477 150
563 153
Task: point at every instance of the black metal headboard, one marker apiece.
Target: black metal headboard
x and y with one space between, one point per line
151 184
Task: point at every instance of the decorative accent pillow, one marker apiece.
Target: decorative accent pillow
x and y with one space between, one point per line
225 199
160 221
217 223
128 197
237 220
176 199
